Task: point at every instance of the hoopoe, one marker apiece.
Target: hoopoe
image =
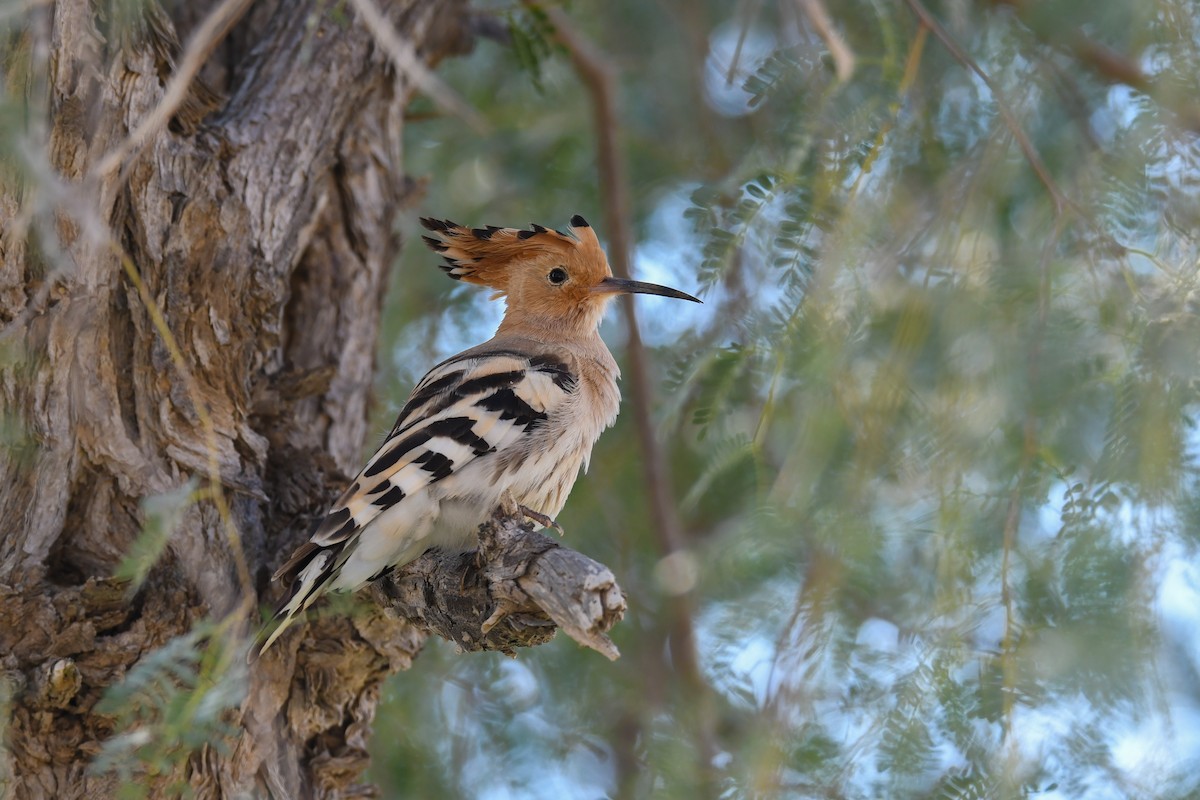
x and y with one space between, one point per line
514 417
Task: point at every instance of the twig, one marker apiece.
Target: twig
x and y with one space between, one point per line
839 51
1010 119
594 71
747 10
1115 67
912 63
205 39
1111 66
406 62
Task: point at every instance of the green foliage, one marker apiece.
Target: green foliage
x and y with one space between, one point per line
175 702
531 39
934 436
161 516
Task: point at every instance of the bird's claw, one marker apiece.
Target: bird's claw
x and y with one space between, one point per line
540 519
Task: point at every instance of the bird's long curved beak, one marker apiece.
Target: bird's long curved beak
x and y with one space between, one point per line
611 285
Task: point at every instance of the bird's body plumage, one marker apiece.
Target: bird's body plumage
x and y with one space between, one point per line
514 418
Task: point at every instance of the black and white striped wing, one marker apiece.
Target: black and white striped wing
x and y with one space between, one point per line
482 404
472 406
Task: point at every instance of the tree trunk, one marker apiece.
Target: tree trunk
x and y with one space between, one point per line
261 224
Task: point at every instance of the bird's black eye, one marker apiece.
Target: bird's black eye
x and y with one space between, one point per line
557 276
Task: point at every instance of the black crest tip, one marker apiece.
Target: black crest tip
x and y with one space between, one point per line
443 226
579 222
483 233
434 244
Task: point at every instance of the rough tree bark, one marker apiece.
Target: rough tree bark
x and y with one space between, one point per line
261 224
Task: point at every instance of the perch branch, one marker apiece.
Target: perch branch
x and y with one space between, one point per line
513 592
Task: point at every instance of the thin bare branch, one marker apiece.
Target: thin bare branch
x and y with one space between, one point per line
595 72
593 68
207 36
1010 119
407 63
839 51
1114 67
747 10
1109 65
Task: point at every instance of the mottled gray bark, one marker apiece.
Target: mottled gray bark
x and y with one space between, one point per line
262 224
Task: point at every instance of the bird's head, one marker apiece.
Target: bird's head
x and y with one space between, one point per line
548 278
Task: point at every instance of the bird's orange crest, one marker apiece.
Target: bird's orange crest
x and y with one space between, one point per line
549 279
495 256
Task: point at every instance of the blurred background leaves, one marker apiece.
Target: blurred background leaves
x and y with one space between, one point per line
933 433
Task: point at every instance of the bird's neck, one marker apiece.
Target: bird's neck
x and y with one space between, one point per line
581 329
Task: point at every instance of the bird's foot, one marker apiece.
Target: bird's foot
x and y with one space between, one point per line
540 519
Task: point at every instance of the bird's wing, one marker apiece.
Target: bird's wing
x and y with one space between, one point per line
464 408
483 401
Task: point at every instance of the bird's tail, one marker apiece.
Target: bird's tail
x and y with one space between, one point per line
310 575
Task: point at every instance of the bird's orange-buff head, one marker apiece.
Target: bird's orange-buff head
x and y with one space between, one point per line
549 279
